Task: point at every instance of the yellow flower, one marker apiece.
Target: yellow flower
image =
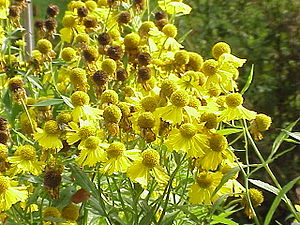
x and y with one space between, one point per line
70 28
4 4
148 165
175 112
187 139
92 152
201 192
11 193
235 110
25 160
174 7
49 137
118 158
82 132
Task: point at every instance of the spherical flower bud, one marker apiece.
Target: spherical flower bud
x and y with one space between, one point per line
115 52
170 30
160 15
121 74
92 142
82 12
150 158
210 67
262 122
82 39
80 98
70 212
68 54
115 150
204 180
109 66
52 10
214 91
4 137
39 24
256 197
180 98
218 142
219 49
104 38
210 120
146 120
114 34
160 24
125 109
124 17
90 54
112 114
188 130
87 131
51 127
109 97
195 61
234 100
167 88
132 41
52 178
90 22
64 117
101 77
15 84
27 152
144 74
14 11
149 103
78 76
3 124
51 212
50 24
44 46
181 57
69 21
144 58
145 28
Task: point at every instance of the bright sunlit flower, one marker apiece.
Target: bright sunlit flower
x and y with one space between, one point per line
25 160
147 166
11 193
49 137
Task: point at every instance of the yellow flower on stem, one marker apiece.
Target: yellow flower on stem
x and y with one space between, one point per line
118 158
201 192
11 193
25 160
82 109
235 110
4 4
49 137
92 152
174 7
147 166
187 139
175 112
215 154
71 28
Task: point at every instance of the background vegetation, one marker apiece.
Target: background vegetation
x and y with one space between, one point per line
267 33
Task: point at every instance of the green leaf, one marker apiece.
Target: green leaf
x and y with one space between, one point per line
295 135
170 217
281 137
249 80
83 180
229 131
264 185
23 137
278 198
183 37
227 176
52 101
67 101
222 220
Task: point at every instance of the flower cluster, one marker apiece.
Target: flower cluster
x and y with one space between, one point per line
119 95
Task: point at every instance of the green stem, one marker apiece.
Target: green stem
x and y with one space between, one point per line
269 171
